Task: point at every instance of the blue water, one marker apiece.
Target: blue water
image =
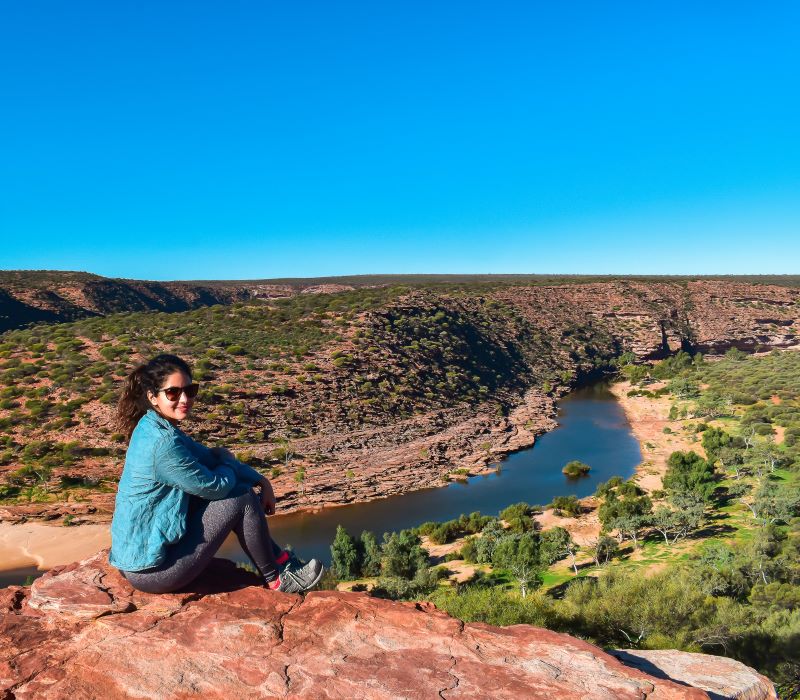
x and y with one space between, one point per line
592 428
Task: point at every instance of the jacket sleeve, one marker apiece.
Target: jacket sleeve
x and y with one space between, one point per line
245 472
201 452
175 465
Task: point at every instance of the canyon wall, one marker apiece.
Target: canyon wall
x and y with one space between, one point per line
423 387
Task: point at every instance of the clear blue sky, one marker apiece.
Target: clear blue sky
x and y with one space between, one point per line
232 140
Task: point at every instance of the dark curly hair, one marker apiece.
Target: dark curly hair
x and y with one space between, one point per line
133 402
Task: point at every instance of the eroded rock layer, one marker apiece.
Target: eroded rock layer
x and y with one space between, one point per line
425 386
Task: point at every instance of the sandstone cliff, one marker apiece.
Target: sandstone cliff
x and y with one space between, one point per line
81 631
55 297
383 401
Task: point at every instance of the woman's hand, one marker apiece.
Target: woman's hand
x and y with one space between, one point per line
267 496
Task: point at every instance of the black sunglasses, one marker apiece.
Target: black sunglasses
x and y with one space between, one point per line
173 393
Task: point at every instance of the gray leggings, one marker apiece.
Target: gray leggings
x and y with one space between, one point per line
208 524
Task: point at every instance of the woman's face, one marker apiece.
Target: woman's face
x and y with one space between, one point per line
177 410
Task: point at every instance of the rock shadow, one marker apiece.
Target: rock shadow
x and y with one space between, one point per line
651 669
222 576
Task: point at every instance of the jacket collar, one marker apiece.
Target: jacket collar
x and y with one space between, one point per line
158 419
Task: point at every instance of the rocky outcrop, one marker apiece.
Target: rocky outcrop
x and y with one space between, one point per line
82 631
719 676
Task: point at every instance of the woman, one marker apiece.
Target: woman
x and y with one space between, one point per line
178 500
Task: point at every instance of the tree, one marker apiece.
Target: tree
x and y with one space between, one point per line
603 549
519 553
284 451
689 472
743 493
712 405
762 553
555 544
518 517
604 487
300 478
768 455
630 525
370 554
672 366
624 359
626 515
683 388
513 547
677 523
403 555
635 373
749 437
344 555
663 521
485 544
714 439
732 458
718 571
404 566
469 551
526 573
774 503
566 505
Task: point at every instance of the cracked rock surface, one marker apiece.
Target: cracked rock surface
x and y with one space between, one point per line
81 631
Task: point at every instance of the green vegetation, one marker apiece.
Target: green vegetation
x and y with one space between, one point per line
401 564
723 536
575 469
441 533
566 506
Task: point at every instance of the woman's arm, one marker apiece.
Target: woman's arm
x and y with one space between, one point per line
214 456
244 471
174 464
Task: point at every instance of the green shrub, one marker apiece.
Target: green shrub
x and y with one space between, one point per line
575 469
566 505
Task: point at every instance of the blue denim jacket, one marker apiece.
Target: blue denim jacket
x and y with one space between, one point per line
163 467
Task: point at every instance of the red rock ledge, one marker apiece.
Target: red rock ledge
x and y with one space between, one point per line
81 631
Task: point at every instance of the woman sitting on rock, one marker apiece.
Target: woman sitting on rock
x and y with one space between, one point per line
178 500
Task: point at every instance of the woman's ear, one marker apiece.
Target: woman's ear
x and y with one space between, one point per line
152 398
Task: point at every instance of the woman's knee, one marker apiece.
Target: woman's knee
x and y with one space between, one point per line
232 509
253 503
236 502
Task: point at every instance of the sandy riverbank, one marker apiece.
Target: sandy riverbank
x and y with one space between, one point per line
46 546
647 417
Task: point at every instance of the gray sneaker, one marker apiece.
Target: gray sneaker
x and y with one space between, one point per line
294 562
295 580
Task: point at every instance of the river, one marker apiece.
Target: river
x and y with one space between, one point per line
592 428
